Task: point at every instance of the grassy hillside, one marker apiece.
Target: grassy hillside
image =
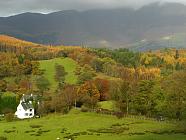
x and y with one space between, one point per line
49 67
83 126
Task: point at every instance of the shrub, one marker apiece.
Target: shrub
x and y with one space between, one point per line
35 126
63 130
9 117
84 109
119 115
9 131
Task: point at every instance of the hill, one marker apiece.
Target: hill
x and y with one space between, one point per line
147 87
29 50
105 28
11 41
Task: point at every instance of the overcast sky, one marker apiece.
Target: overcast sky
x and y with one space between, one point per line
11 7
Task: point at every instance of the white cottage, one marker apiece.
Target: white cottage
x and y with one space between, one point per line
25 108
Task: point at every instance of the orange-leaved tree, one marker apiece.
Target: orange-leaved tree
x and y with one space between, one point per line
88 94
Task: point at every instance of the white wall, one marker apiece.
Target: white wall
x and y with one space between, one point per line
21 113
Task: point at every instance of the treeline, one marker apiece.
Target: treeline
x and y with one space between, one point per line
159 97
167 59
108 66
31 51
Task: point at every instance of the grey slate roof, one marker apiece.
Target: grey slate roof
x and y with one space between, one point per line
27 105
28 97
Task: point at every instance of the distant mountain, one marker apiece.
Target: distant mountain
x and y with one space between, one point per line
177 40
102 28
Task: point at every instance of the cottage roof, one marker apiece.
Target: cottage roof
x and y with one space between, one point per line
28 97
27 105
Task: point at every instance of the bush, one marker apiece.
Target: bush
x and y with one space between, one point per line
9 117
84 109
35 126
119 115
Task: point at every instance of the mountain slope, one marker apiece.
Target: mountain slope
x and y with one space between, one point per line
112 28
11 41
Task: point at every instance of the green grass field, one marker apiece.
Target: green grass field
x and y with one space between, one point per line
109 105
49 67
88 126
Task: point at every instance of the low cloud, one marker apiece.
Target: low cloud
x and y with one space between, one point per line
9 7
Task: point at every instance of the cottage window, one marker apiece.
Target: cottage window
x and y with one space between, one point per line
26 114
30 110
30 114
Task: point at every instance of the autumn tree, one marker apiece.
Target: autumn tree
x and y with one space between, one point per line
86 73
88 94
97 64
65 99
45 104
25 85
103 88
121 93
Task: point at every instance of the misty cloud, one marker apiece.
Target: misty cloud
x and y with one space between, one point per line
9 7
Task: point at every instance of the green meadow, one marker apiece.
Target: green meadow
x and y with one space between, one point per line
49 70
79 125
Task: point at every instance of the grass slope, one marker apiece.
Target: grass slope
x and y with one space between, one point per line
49 67
109 105
87 126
